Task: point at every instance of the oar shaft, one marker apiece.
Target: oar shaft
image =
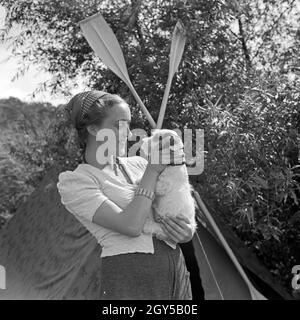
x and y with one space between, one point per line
144 109
164 103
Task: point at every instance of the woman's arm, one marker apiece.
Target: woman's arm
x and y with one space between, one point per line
131 220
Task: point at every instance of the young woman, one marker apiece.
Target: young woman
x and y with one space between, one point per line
107 202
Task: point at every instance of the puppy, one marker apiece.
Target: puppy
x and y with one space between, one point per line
173 190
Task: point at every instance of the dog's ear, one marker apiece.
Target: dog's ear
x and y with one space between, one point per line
168 141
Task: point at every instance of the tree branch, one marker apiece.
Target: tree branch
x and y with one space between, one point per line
273 27
244 44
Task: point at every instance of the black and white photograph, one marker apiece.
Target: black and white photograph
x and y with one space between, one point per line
149 151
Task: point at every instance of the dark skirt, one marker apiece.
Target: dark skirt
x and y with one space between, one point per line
146 276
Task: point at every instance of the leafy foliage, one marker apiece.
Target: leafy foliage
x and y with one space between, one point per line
22 161
253 171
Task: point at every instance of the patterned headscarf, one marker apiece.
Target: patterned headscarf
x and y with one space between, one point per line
81 103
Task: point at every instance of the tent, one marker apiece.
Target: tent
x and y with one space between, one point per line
48 254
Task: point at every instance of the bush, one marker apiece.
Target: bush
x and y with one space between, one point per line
252 170
23 131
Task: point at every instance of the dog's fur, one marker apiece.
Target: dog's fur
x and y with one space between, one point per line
173 190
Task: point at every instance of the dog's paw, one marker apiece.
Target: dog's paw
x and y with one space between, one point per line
156 216
148 226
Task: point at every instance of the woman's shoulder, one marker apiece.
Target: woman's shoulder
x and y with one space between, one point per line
80 193
71 174
75 177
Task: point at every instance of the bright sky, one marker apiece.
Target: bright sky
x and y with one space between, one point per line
23 87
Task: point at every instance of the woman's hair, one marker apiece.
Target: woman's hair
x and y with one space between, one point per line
94 114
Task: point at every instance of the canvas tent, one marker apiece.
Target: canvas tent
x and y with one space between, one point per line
48 254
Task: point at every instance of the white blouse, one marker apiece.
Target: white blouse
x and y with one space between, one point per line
83 190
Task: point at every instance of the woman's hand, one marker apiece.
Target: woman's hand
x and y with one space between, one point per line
178 229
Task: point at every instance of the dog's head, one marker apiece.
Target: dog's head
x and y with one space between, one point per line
162 142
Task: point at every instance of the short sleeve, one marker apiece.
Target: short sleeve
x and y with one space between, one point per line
80 194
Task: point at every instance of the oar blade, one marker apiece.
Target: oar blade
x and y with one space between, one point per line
176 52
177 46
105 44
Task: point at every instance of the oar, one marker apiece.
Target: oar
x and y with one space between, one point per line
177 47
254 293
103 41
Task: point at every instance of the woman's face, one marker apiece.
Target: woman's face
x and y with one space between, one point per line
118 120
